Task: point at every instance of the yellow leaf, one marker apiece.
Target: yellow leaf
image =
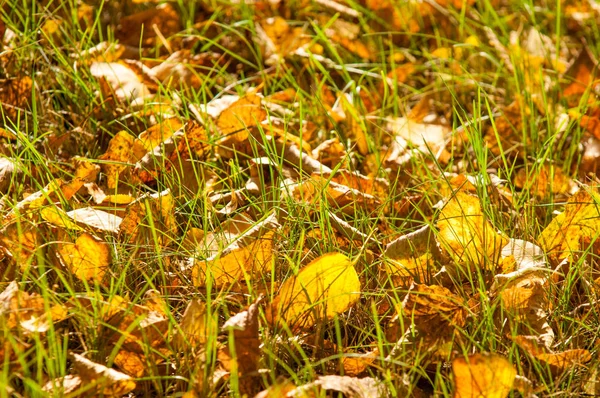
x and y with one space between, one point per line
88 258
327 286
59 218
563 237
234 121
250 261
132 363
433 310
122 153
466 234
483 375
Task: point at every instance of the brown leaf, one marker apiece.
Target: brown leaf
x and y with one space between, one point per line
15 96
245 353
105 381
146 26
28 312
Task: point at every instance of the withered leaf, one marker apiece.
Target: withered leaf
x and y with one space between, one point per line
106 381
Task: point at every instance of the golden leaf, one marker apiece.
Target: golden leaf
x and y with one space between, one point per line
88 258
242 262
158 133
433 310
483 375
28 311
194 326
580 219
122 153
58 218
548 180
560 362
466 234
235 121
327 286
132 363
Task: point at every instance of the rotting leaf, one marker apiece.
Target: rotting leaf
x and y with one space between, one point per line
483 375
327 286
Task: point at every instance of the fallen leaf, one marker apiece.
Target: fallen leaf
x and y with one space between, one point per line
327 286
483 375
434 311
105 381
467 235
123 152
243 114
580 219
145 27
28 311
194 326
244 350
237 264
411 257
88 258
351 387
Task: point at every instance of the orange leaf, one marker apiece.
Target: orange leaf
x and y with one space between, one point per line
483 375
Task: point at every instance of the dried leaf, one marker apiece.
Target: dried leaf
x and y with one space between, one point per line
28 312
411 257
237 264
580 219
434 311
327 286
483 375
195 326
106 381
122 153
245 353
88 258
467 235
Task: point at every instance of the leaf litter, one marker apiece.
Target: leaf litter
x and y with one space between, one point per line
242 204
